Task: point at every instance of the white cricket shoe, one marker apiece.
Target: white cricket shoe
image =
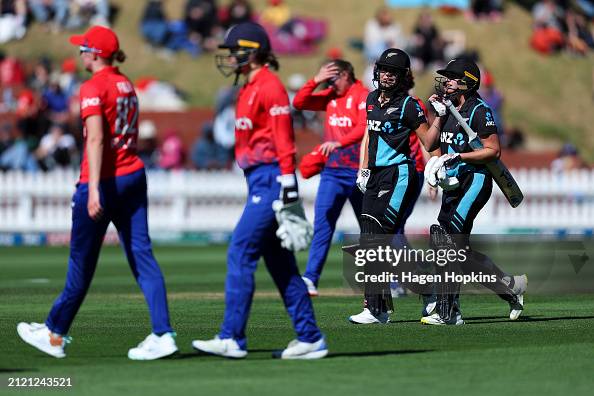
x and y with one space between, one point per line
520 286
303 350
436 320
39 336
226 347
312 290
366 317
154 347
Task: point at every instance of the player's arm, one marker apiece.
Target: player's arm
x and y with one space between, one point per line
94 127
483 124
92 114
416 119
363 157
284 141
307 99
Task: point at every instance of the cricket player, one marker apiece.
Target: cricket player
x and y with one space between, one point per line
346 116
265 150
112 188
387 174
467 186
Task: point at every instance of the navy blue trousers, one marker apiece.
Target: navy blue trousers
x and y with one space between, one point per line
255 237
124 201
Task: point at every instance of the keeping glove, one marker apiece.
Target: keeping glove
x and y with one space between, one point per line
362 179
294 231
289 192
439 108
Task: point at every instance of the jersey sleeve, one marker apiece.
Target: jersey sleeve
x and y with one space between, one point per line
483 122
307 99
414 115
276 103
91 102
356 134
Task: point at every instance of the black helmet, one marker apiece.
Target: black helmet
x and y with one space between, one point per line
242 40
393 60
464 70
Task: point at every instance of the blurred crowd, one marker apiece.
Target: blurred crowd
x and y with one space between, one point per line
563 25
39 111
54 15
205 22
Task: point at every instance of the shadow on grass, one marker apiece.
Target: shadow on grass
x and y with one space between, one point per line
191 355
16 370
480 319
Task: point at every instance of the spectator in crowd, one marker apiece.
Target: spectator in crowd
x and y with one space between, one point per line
236 12
547 36
381 33
13 15
56 10
201 21
57 149
579 35
206 153
427 46
12 76
171 152
486 9
276 13
16 156
567 160
153 26
224 122
88 12
55 101
147 144
68 78
494 98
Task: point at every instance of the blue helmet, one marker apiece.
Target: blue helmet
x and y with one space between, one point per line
242 40
247 35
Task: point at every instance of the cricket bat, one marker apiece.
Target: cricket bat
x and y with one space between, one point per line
498 170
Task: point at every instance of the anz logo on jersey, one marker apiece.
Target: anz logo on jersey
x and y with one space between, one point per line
449 138
377 126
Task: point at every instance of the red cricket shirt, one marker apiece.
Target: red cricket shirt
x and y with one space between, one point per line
263 127
110 94
346 119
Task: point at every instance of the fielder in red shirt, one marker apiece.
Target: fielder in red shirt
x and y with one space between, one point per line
272 225
112 188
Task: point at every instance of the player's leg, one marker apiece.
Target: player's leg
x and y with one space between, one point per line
86 238
130 218
330 200
282 266
242 260
389 193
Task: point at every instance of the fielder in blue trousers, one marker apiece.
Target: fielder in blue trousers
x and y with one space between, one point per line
254 237
124 200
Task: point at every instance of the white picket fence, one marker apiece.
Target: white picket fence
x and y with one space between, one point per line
213 201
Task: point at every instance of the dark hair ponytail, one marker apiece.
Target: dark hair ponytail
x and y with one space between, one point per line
408 81
119 56
267 58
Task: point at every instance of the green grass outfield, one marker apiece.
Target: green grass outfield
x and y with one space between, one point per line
549 351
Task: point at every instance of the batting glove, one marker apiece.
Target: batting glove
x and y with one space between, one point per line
439 108
362 179
429 175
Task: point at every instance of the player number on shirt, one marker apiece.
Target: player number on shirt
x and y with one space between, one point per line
126 121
